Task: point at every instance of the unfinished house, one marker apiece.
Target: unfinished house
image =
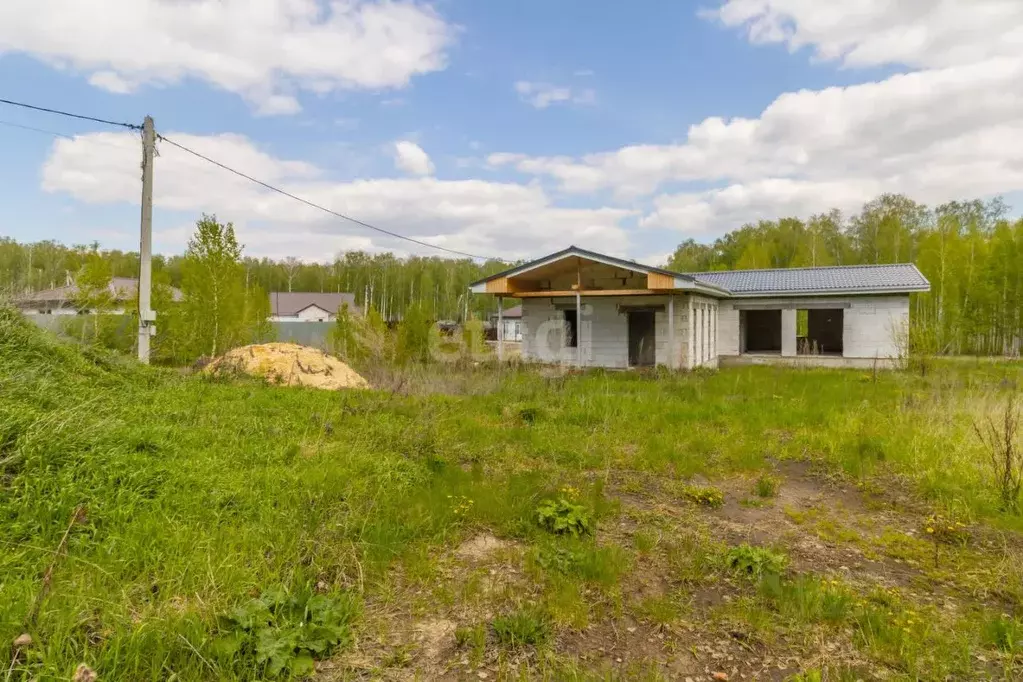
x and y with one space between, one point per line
591 310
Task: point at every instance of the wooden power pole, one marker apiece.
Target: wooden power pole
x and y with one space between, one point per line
147 317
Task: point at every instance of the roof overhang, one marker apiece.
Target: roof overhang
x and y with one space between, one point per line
788 293
658 280
534 280
310 306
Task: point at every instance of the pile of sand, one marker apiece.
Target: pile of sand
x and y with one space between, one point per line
289 364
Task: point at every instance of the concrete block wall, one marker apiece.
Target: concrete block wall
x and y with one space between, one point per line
871 325
702 330
728 328
705 328
603 330
788 332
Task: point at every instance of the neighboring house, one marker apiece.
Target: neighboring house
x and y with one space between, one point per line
510 327
588 309
61 300
299 306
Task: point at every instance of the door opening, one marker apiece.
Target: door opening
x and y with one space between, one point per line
571 329
642 341
761 331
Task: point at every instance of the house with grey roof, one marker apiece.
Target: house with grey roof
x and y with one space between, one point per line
588 309
65 300
301 306
510 323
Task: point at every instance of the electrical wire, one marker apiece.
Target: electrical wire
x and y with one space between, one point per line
130 126
12 124
54 133
318 206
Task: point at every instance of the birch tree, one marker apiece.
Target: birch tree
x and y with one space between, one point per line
213 286
93 294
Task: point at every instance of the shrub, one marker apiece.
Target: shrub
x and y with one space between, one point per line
705 496
564 517
280 633
755 562
474 344
414 342
345 335
1001 438
525 627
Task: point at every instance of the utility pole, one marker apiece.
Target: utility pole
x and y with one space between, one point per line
147 317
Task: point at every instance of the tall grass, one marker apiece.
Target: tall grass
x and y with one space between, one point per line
200 494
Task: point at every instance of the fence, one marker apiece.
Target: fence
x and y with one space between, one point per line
314 334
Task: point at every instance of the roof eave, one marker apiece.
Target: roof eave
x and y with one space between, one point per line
830 292
701 287
479 286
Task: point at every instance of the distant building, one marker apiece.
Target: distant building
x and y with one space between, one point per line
300 306
62 300
511 319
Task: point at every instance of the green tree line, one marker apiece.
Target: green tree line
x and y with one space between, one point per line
970 251
438 286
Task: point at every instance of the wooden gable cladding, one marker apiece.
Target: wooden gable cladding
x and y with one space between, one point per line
657 280
579 274
501 285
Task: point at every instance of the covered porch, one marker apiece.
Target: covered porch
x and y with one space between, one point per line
589 310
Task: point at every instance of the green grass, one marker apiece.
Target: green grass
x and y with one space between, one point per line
524 627
200 495
766 486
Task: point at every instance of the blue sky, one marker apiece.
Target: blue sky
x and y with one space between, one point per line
503 129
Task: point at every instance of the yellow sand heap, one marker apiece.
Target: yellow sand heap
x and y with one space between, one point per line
289 364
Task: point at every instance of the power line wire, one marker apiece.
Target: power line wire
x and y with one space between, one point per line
54 133
318 206
130 126
12 124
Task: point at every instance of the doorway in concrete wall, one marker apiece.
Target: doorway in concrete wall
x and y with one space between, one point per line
761 331
820 331
642 341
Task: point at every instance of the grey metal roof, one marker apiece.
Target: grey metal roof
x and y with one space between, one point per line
509 313
288 303
895 278
121 289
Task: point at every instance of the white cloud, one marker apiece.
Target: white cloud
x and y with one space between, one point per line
278 105
111 82
918 33
542 95
488 218
264 50
703 213
953 128
936 134
410 158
